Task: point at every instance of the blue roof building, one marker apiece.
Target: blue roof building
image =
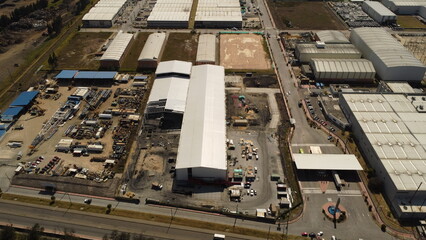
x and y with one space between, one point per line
66 74
11 114
104 75
24 99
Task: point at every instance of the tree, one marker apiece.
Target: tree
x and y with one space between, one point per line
8 233
375 184
35 232
53 60
69 235
57 24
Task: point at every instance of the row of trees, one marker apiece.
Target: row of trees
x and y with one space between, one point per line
36 233
20 12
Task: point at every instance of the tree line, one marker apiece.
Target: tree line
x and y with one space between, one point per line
20 12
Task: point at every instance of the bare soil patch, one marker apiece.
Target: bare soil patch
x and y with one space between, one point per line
181 46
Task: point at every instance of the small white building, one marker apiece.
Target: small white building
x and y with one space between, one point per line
117 51
151 52
378 12
206 51
64 145
343 70
202 144
104 14
173 68
306 51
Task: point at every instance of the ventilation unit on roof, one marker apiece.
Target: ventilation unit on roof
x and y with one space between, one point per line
408 173
379 143
412 144
352 101
374 120
396 172
364 120
369 100
380 101
399 144
389 143
361 100
419 173
393 120
383 120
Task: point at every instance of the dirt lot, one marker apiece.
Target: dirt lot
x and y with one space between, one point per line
410 22
243 51
254 110
130 63
9 5
181 46
304 15
416 45
79 53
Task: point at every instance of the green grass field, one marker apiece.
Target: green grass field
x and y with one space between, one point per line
181 46
410 22
130 63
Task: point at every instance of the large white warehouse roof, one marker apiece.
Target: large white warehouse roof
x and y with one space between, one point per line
153 46
391 60
206 51
173 89
327 162
174 67
394 129
104 10
117 47
332 36
203 137
218 10
171 10
379 8
344 68
329 48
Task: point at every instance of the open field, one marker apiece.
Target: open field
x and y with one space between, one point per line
79 51
130 63
410 22
304 15
181 46
243 51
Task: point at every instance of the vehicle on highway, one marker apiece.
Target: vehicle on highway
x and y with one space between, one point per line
88 201
218 236
312 235
320 233
301 150
329 138
304 234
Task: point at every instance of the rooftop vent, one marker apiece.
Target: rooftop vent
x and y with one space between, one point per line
408 173
419 173
389 143
380 101
369 100
396 172
379 143
374 120
412 144
393 120
399 144
361 100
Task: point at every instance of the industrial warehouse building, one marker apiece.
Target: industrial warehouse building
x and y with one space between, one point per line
206 51
306 51
422 12
202 144
117 51
167 99
334 70
104 14
170 14
331 37
378 12
392 61
389 129
150 55
218 14
404 7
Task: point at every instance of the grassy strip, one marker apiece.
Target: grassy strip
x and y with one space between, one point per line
149 216
191 23
410 22
130 62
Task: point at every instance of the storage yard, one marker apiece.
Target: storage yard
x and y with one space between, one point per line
243 52
353 15
287 15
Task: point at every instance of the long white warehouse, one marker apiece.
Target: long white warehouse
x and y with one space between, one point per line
404 7
332 70
117 50
331 36
392 61
202 145
306 51
206 51
104 14
218 14
378 12
389 129
170 14
150 55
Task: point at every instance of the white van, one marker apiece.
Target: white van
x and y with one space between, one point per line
218 236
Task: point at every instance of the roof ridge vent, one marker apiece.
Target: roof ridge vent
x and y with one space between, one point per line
389 143
399 144
369 100
393 120
362 100
364 120
374 120
412 144
396 172
409 173
380 101
379 143
383 120
419 173
352 101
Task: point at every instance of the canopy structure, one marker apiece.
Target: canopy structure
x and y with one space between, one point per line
326 162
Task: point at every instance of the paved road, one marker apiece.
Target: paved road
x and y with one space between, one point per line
96 226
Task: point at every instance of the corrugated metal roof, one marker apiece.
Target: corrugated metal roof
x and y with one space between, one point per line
173 89
343 65
332 36
117 47
218 10
203 137
206 51
95 75
66 74
326 162
171 10
329 48
12 112
174 66
400 87
25 98
153 46
377 41
378 7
